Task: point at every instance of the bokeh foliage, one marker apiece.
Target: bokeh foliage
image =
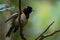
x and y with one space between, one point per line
44 12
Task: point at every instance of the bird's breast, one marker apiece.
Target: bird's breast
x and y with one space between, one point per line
23 19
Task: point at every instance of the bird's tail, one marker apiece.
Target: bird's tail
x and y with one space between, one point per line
15 29
9 32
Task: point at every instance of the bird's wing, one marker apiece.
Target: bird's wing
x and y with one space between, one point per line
14 16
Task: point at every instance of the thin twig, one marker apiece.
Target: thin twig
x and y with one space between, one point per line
44 31
45 36
20 25
51 33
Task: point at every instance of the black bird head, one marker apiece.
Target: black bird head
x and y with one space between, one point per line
27 11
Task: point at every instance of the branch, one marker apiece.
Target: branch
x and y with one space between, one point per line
52 33
20 25
41 35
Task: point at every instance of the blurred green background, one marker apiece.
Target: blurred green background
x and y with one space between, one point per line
44 12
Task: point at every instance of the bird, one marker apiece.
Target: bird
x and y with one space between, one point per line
14 18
